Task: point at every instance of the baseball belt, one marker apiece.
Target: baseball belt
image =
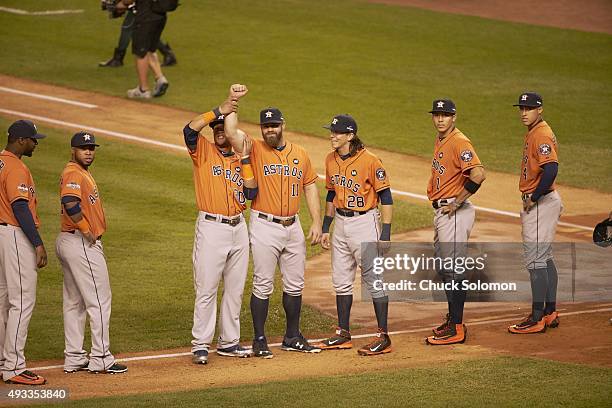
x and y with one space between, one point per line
4 224
223 220
526 196
285 222
73 231
437 204
349 213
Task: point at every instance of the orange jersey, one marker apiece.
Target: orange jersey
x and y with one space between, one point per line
78 182
453 157
281 175
218 180
16 183
540 148
356 180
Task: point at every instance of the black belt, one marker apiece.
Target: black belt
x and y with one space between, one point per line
284 222
349 213
4 224
526 196
437 204
73 231
231 221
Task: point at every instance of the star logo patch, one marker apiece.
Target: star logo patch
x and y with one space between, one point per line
268 114
381 174
466 155
86 137
440 104
523 97
545 149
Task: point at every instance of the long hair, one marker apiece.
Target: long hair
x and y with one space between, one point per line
355 145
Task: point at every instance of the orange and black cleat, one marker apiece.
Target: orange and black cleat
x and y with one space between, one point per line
27 378
528 326
452 334
380 345
552 319
340 341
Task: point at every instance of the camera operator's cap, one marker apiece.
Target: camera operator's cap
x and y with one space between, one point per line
270 115
24 129
342 124
217 120
81 139
530 100
443 106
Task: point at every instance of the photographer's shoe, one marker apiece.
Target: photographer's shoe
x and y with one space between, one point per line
161 86
138 93
115 61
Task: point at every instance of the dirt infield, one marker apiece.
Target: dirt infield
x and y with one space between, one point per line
585 15
487 322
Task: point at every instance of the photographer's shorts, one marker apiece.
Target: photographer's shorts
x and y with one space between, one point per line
146 36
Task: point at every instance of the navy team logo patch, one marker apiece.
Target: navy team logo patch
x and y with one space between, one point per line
545 149
353 173
467 155
295 161
380 174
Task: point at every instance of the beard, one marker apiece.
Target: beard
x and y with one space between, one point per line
273 139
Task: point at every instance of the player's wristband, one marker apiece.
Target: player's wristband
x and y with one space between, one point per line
385 234
83 226
327 220
247 171
216 112
209 116
74 210
471 187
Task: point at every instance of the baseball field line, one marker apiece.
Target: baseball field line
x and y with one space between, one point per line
140 139
40 13
358 336
48 97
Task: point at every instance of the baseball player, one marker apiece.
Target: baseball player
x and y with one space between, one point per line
356 181
456 174
541 211
277 173
221 244
79 249
21 251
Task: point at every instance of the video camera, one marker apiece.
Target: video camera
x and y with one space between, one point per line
111 7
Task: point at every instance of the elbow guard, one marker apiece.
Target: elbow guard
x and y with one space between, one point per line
471 186
385 196
190 135
331 194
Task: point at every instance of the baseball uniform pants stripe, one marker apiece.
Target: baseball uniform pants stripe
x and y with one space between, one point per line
539 227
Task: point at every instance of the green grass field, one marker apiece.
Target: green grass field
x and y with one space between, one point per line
150 207
383 64
502 381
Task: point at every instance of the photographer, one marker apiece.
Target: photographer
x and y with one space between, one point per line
148 26
127 27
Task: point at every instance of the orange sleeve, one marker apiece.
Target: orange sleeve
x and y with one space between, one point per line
545 146
328 182
71 185
378 175
200 152
17 181
466 156
309 174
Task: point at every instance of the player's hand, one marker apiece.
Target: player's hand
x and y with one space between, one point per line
528 205
325 240
247 146
315 234
41 256
451 208
91 240
237 91
228 106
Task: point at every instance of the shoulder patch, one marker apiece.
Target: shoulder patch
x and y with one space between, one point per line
1 164
466 155
381 174
545 149
23 188
73 185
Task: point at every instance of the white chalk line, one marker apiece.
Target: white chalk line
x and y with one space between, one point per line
48 97
358 336
40 13
140 139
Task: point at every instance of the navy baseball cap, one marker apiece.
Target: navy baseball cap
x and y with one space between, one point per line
81 139
443 106
270 115
342 124
218 119
24 129
530 100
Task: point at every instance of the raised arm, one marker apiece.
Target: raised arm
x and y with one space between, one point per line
193 128
234 135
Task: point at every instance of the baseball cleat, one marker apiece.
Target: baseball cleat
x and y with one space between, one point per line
82 367
453 334
528 326
137 93
261 349
116 368
27 378
441 328
200 357
552 319
341 340
161 86
235 351
380 345
298 343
